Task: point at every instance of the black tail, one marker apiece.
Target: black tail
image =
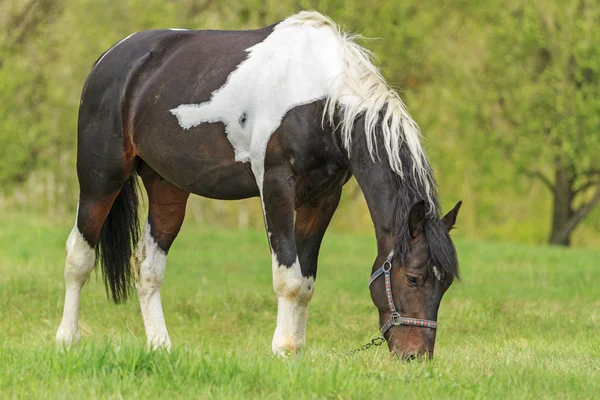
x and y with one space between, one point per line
118 238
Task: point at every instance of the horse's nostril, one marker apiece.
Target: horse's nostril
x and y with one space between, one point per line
405 356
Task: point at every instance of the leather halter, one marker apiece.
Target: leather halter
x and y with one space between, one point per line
396 319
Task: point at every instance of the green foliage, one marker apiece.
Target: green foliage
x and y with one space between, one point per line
521 325
546 106
452 62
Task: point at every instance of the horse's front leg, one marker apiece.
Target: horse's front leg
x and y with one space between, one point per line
292 288
312 221
293 272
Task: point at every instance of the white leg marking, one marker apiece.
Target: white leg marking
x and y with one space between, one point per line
79 265
293 294
149 263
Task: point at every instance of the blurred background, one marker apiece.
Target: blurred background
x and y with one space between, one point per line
507 95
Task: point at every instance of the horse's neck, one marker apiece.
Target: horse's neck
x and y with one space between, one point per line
379 185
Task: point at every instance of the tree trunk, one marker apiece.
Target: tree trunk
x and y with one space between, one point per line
561 210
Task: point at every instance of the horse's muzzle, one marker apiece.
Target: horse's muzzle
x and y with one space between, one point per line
412 355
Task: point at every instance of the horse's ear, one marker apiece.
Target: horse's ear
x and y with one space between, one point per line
450 219
415 219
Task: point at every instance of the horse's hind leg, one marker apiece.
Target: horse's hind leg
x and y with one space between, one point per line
165 216
80 259
106 198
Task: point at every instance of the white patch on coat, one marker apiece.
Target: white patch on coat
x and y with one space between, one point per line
306 58
78 266
149 263
293 295
294 65
113 47
437 273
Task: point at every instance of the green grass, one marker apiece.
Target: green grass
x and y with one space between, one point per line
524 323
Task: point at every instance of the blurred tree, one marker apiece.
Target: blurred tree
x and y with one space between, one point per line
23 85
466 69
544 106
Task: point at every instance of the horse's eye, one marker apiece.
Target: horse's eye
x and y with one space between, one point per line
411 280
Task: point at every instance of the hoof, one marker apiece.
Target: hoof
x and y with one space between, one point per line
157 344
285 347
66 337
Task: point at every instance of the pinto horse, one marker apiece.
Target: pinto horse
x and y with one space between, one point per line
289 113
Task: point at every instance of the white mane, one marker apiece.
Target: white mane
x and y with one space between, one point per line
364 84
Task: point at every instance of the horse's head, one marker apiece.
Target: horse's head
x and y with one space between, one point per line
409 286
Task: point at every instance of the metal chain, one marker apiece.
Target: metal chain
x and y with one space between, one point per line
378 341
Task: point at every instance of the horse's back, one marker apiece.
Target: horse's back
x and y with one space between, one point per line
125 105
199 107
185 55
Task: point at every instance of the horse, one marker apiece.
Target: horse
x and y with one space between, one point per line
288 113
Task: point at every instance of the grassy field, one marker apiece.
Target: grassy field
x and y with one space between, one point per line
524 323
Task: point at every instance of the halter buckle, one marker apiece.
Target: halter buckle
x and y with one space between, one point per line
387 265
396 319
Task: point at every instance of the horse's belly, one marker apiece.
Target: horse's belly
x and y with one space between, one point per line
199 160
